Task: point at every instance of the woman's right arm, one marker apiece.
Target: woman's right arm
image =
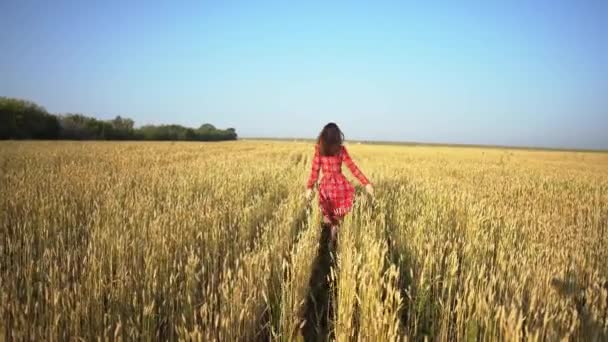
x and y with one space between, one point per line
314 172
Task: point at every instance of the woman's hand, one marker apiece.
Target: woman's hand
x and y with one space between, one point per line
369 189
308 194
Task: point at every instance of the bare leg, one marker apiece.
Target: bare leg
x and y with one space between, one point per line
335 226
328 224
334 232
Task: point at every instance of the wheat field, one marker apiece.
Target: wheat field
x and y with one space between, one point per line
215 242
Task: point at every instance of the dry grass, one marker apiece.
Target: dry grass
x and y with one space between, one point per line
214 242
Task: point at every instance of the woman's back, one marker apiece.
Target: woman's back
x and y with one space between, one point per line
332 164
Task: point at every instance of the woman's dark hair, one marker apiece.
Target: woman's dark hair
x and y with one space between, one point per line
330 140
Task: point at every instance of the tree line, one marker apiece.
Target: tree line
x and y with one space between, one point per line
21 119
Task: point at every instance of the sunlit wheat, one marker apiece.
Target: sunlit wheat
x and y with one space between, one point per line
214 242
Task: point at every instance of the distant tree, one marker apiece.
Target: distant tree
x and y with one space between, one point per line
51 129
77 127
121 128
20 119
8 120
147 132
207 127
232 133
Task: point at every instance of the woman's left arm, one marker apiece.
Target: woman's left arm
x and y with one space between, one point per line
353 167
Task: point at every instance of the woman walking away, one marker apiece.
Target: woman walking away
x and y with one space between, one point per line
336 194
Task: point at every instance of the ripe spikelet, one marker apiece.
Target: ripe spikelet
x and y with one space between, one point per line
214 242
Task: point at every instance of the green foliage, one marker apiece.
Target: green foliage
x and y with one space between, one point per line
177 132
80 127
20 119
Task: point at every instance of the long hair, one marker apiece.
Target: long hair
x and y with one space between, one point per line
330 140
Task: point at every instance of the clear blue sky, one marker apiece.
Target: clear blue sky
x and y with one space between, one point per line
483 72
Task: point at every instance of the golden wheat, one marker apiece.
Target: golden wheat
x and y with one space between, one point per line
214 242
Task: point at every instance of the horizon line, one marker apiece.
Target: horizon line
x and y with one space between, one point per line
439 144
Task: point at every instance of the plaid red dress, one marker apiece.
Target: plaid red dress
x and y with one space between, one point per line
336 194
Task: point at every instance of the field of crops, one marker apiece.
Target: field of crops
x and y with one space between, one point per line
214 241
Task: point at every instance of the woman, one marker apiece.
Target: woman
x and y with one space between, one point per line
336 194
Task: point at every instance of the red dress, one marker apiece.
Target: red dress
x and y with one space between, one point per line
336 194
